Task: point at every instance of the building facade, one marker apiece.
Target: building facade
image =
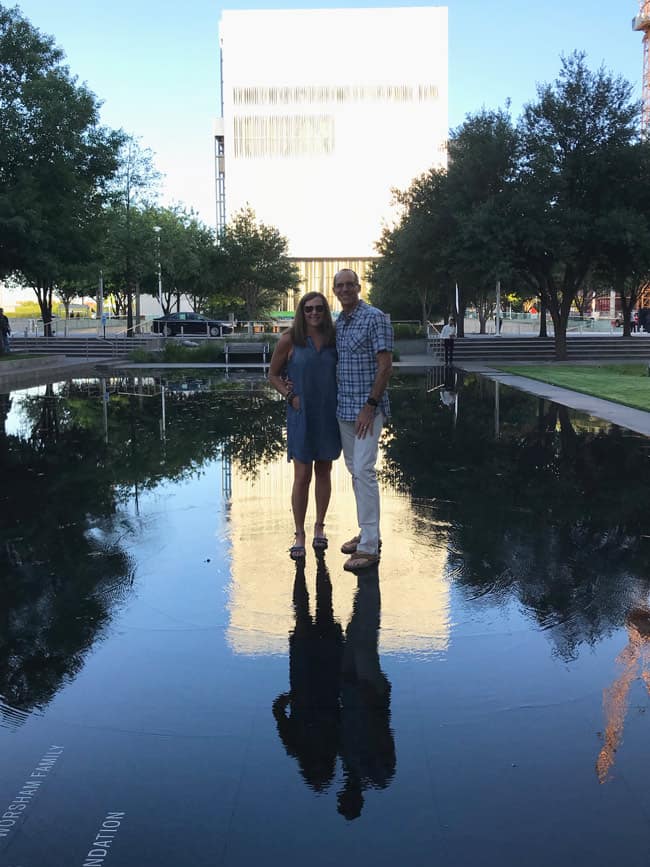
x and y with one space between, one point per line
324 113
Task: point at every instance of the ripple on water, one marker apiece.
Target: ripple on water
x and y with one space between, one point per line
11 717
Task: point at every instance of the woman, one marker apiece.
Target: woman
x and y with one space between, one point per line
303 370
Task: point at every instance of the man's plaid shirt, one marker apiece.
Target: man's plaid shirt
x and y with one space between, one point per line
359 337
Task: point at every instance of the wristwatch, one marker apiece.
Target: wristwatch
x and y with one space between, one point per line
372 402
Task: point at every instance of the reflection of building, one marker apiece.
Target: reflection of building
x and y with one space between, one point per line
414 587
324 113
634 661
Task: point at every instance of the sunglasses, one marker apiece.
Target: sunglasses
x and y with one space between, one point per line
313 308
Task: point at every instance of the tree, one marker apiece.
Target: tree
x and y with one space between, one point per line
258 268
26 56
190 260
133 189
623 260
455 224
572 141
59 160
410 279
481 175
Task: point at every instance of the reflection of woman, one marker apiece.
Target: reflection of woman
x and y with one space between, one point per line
303 369
308 717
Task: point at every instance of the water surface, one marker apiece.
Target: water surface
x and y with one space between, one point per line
173 690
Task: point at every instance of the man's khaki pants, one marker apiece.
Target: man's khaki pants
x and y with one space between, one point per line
360 457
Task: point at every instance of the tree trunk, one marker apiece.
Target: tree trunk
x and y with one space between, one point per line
559 326
460 322
44 298
626 307
425 308
482 320
129 311
543 331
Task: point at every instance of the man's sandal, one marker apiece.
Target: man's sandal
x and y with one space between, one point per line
360 560
320 541
350 546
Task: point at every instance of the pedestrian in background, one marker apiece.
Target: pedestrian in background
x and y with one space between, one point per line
5 330
448 335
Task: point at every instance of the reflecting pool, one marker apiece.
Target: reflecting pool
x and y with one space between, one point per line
174 690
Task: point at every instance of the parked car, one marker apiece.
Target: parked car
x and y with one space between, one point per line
190 323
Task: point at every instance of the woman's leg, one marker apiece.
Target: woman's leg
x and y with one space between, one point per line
299 497
323 484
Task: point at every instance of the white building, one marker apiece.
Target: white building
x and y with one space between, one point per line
325 111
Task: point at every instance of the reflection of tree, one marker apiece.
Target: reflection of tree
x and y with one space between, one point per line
339 699
635 661
60 574
242 419
552 512
62 568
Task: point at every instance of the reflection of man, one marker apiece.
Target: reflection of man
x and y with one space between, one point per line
364 342
339 702
448 392
5 409
367 747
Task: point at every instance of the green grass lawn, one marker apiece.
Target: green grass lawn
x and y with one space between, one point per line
8 357
628 384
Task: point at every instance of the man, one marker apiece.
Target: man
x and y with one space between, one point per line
5 330
364 342
448 334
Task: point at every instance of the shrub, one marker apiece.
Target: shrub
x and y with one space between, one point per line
405 330
207 351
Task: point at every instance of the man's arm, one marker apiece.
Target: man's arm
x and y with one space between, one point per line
365 419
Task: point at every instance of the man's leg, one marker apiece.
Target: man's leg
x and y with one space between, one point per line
360 457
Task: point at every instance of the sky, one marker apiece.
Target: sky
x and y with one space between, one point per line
155 64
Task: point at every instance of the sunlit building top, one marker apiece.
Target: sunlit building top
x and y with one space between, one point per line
325 112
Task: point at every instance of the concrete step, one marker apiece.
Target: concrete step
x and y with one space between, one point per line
579 348
83 347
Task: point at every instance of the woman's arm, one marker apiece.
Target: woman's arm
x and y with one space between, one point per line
278 361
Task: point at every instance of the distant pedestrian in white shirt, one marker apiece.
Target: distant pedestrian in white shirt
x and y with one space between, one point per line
448 335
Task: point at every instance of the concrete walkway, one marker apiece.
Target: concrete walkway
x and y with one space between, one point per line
624 416
26 372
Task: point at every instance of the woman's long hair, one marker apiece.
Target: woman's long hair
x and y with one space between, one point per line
298 330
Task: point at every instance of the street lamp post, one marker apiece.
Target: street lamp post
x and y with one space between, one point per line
157 230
